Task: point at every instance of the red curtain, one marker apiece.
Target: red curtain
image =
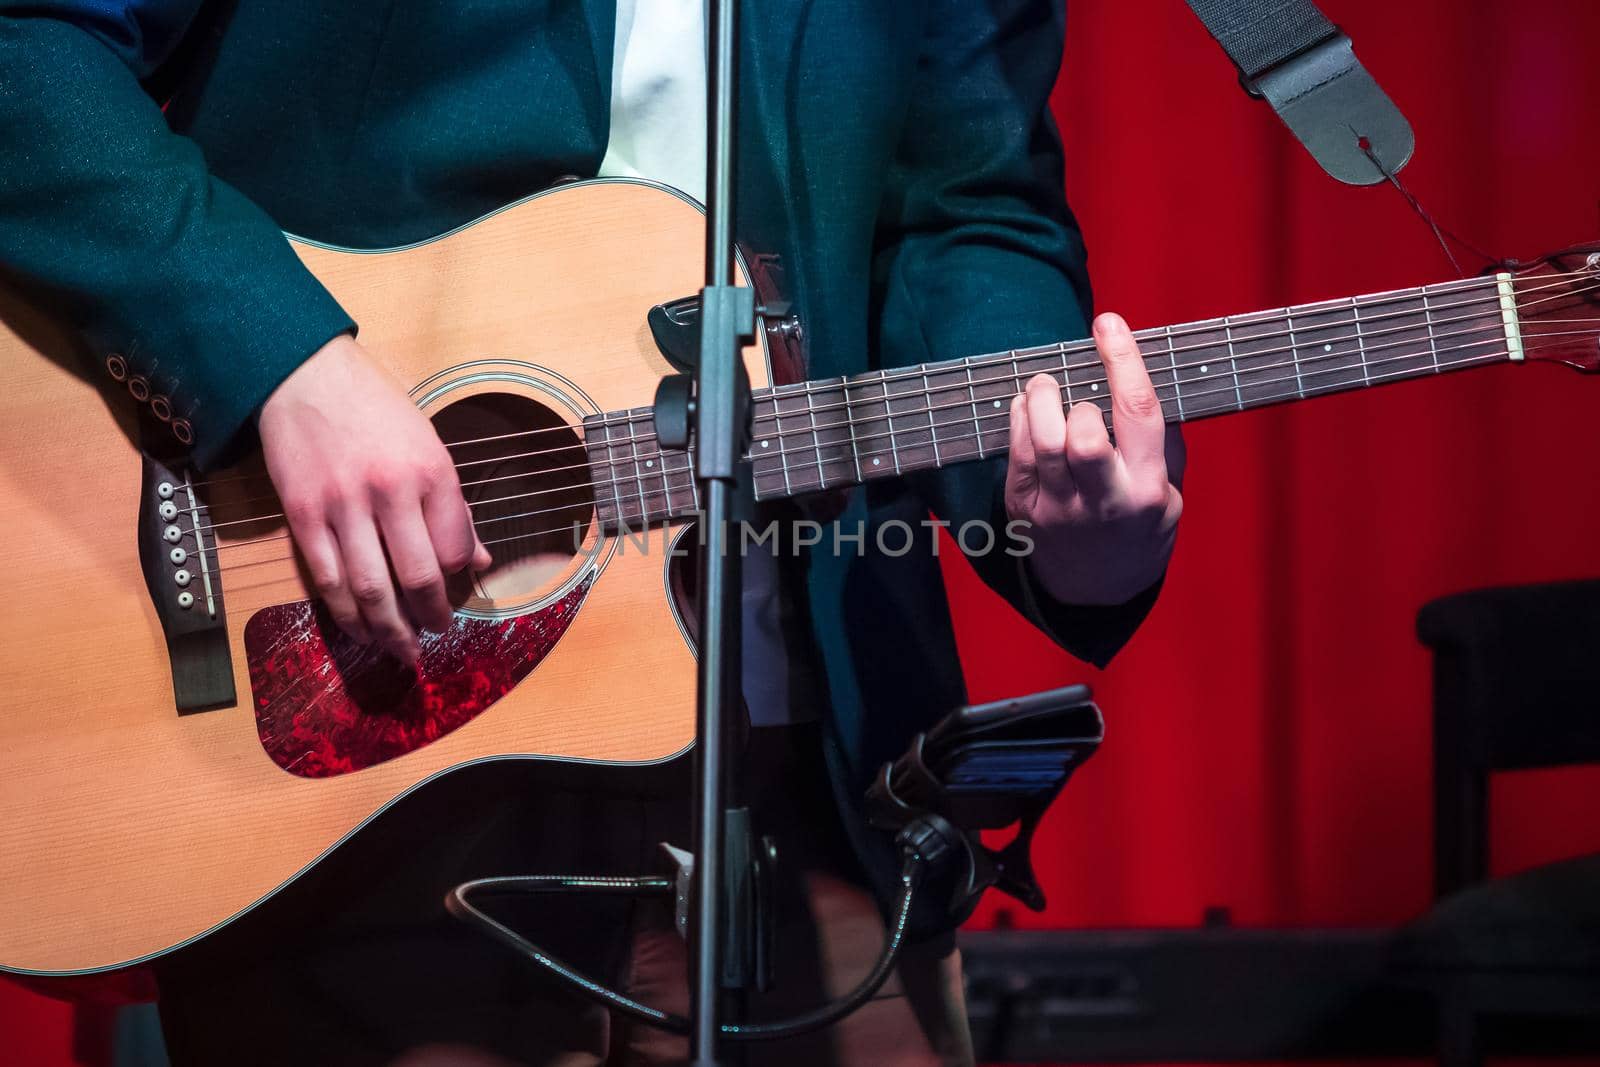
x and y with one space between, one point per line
1268 731
1268 737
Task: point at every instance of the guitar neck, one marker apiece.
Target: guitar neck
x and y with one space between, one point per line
839 432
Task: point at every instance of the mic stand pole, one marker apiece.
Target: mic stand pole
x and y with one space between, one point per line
721 420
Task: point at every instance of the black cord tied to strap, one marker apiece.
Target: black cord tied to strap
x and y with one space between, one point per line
1290 55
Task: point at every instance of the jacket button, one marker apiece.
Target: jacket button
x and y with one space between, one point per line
183 431
116 366
162 407
139 388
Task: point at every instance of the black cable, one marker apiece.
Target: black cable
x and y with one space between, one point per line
456 903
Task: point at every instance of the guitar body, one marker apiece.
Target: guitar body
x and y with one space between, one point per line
128 828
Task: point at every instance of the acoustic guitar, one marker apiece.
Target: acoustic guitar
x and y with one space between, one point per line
183 732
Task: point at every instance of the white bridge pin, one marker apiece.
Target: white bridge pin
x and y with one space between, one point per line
172 535
168 510
177 555
181 577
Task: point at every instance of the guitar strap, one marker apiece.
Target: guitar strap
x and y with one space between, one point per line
1289 54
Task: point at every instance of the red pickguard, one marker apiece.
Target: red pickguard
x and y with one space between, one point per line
326 705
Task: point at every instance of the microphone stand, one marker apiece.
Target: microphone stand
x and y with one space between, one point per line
721 416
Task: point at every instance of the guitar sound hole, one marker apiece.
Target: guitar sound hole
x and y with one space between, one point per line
525 476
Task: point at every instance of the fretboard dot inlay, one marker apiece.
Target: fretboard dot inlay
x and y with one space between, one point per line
877 462
1203 368
1327 348
997 403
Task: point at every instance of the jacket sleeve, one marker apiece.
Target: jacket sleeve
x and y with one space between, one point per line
113 217
977 252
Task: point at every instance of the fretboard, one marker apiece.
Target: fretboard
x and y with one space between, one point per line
833 433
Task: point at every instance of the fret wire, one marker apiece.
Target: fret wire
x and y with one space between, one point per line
783 453
638 473
1361 345
616 480
666 483
1233 360
850 424
1427 317
933 433
816 441
1172 359
1294 353
888 418
1066 372
972 402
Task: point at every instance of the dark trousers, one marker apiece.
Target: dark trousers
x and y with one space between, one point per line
361 965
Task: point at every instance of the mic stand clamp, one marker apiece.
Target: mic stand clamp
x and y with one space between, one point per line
986 768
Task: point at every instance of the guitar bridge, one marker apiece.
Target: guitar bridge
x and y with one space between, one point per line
176 553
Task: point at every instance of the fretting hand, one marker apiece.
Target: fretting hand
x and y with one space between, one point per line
1104 517
359 470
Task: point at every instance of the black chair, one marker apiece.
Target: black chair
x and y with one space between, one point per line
1511 962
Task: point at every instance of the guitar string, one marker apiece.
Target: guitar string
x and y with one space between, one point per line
1064 348
1483 360
782 454
1430 324
589 530
634 419
647 491
632 416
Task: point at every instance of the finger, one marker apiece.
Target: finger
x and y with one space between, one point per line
414 557
1135 409
1092 460
368 575
1047 427
1177 455
1022 473
325 569
455 541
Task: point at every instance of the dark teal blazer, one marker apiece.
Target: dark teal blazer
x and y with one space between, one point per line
898 156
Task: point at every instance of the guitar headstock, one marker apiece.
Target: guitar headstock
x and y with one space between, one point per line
1558 304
